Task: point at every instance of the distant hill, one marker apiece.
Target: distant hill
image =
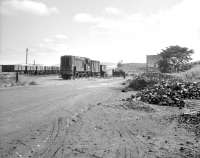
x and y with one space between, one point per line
194 63
110 65
192 74
133 67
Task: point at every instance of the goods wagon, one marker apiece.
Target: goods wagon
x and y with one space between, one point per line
57 69
8 68
47 69
20 68
11 68
54 69
39 69
30 69
16 68
23 68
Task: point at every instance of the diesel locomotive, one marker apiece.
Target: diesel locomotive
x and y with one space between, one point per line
75 67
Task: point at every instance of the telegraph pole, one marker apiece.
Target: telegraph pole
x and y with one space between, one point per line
26 60
26 56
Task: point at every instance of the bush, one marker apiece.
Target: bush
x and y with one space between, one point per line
32 83
140 83
164 89
147 80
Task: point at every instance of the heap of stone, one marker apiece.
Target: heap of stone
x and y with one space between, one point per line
170 93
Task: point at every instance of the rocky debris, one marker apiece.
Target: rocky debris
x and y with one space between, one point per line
136 105
169 93
191 122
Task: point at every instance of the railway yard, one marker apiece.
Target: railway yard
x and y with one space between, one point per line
99 79
92 117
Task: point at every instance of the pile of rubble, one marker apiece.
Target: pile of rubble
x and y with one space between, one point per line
169 93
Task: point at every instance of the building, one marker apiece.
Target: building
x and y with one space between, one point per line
152 62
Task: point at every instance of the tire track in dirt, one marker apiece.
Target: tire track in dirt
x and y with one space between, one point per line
108 131
58 135
136 148
55 139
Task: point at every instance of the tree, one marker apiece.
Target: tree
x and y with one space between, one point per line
173 58
119 64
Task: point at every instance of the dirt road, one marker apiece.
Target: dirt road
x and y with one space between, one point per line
88 119
25 106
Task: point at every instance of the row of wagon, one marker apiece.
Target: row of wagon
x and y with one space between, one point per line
70 67
30 69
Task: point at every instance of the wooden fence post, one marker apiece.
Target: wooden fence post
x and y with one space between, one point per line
17 77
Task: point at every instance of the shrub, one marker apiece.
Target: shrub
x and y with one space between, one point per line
32 83
140 83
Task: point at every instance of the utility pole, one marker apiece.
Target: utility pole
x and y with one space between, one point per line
26 56
26 60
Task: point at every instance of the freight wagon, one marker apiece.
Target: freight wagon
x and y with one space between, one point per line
47 69
22 69
40 70
31 69
54 69
9 68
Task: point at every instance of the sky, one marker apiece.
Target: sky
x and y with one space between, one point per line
105 30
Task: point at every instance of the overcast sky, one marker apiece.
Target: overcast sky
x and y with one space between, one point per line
106 30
